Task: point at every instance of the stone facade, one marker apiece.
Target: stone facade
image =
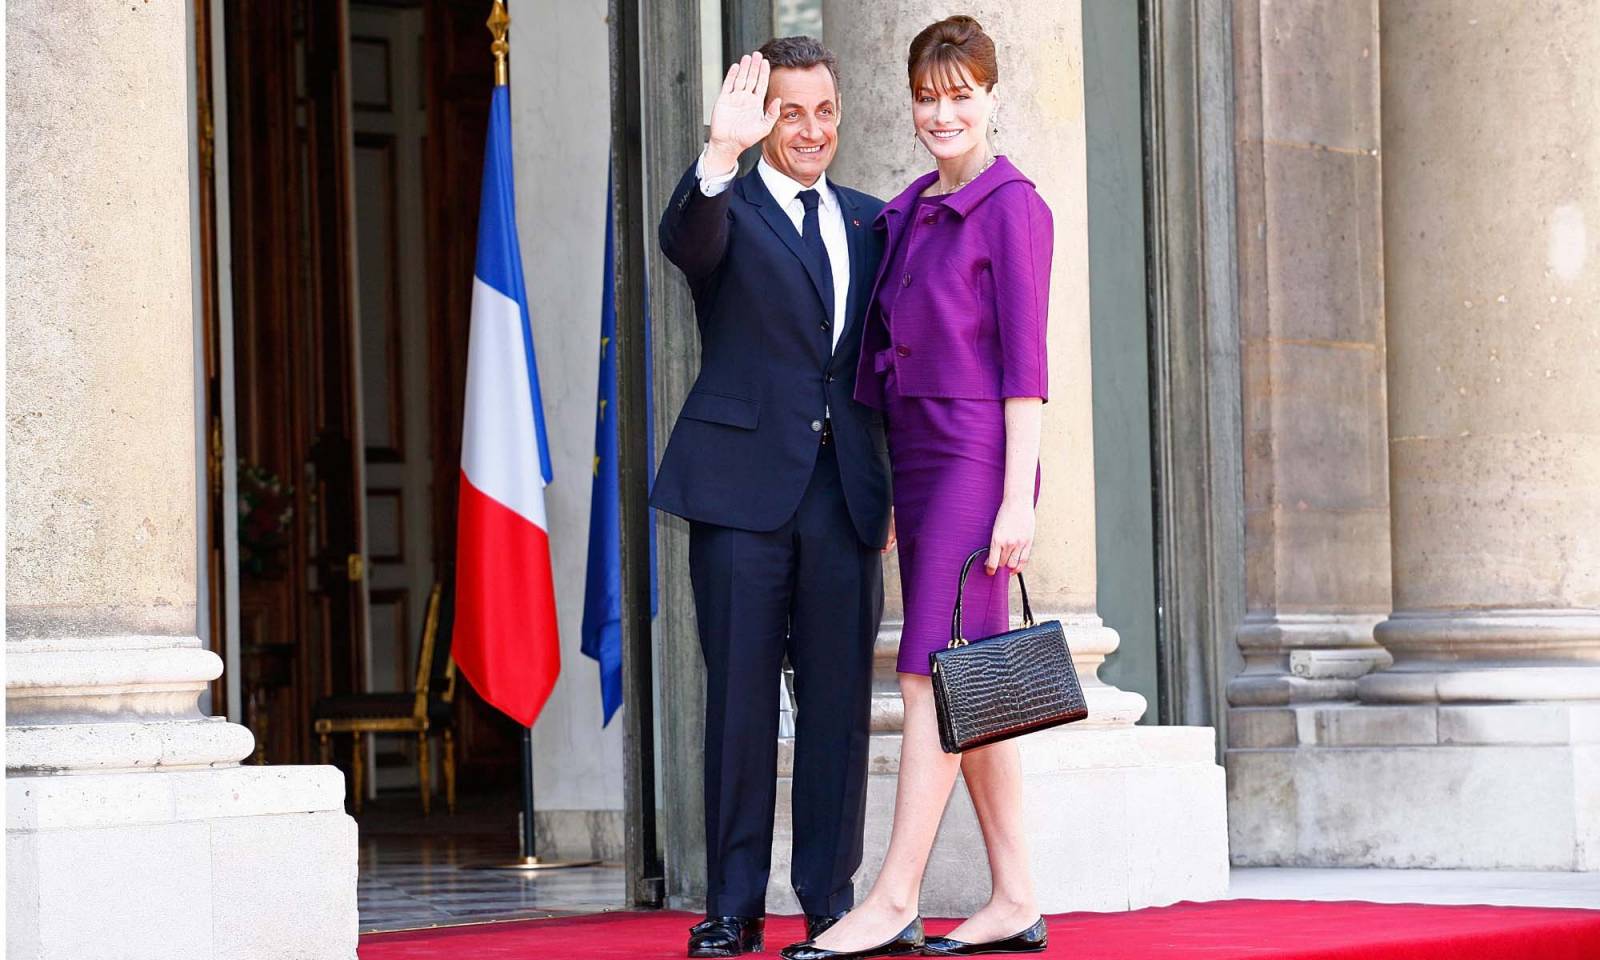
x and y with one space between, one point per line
128 819
1481 719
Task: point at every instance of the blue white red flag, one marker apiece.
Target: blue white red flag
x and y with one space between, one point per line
505 638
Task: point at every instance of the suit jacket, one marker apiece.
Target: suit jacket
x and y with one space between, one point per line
746 440
969 320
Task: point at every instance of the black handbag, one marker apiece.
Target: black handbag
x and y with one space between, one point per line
1006 685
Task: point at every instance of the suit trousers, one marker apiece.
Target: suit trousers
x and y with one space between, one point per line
810 591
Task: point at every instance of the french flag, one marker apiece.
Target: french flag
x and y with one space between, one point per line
505 639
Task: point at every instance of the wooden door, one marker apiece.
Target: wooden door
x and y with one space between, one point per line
387 87
300 584
335 465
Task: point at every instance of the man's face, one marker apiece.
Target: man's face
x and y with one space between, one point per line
805 138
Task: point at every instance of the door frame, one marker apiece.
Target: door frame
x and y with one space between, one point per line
1191 269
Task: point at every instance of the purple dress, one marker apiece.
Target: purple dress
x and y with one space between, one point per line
948 457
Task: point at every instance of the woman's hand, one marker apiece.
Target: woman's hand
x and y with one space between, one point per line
1012 541
738 119
891 542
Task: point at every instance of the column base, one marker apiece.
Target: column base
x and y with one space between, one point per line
245 863
1500 655
1118 818
1303 658
1439 786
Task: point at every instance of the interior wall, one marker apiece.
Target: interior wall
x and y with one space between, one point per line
560 72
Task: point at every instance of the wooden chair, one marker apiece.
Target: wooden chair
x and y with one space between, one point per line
427 710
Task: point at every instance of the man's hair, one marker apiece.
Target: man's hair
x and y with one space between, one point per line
801 53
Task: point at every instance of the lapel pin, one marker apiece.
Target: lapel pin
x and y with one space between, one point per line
856 222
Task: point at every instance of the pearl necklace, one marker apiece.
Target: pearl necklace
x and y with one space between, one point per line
987 164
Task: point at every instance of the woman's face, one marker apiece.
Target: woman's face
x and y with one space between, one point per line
953 120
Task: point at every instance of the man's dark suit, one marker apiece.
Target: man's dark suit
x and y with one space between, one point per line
785 533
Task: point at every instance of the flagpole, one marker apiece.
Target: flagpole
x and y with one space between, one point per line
529 844
499 24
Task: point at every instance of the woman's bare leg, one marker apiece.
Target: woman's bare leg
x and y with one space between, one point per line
994 779
927 775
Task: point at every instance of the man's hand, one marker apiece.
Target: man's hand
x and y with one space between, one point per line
738 120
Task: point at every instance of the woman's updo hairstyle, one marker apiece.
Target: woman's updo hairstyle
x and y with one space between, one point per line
946 50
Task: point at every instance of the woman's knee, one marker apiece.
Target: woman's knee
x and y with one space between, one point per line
917 691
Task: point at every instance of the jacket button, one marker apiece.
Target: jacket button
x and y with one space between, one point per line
903 350
905 281
816 426
826 324
931 218
828 378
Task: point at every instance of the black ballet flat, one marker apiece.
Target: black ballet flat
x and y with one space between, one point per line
818 923
727 936
1032 940
908 942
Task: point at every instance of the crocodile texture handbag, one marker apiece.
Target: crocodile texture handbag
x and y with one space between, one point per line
1005 685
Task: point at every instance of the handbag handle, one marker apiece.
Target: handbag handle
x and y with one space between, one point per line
956 639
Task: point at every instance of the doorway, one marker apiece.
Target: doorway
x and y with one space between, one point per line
354 139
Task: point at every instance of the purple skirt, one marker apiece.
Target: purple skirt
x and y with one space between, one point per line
948 457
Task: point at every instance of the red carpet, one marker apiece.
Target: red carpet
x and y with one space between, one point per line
1226 930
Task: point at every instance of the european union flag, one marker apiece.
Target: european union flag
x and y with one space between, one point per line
602 598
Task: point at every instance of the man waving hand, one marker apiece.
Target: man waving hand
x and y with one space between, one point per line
784 481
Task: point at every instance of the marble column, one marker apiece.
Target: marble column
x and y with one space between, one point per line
1316 479
1147 823
1480 746
130 827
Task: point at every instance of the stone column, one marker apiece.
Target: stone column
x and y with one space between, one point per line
1493 282
1306 82
131 829
1492 119
1488 722
1316 472
1147 823
1316 482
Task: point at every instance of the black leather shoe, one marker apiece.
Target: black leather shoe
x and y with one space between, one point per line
727 936
1032 940
908 942
818 923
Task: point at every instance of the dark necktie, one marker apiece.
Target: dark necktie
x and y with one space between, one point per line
811 238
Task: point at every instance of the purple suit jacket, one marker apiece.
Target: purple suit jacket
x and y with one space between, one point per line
969 320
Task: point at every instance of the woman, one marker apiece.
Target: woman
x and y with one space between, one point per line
954 355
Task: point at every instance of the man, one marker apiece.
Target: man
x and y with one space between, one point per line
784 479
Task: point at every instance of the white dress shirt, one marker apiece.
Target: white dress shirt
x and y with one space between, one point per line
830 218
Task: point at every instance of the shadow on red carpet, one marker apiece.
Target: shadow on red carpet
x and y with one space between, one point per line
1225 930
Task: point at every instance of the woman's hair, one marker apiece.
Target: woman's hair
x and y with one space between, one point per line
942 52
